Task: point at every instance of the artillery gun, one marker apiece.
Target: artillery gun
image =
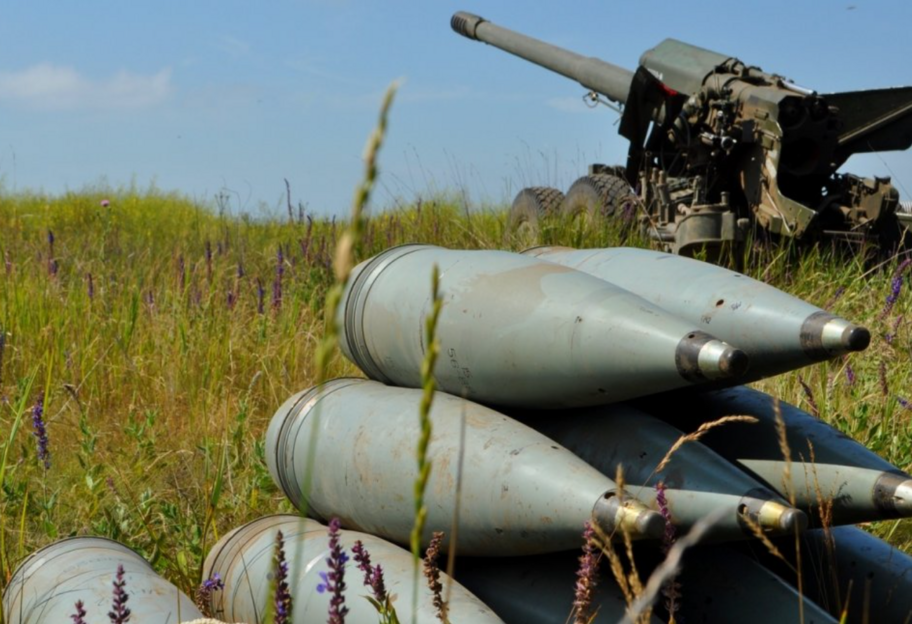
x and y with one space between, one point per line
718 146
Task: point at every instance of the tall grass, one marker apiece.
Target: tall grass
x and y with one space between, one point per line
163 334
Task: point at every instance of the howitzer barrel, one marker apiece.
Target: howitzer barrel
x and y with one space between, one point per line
600 76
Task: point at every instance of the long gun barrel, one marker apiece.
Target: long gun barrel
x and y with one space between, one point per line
595 74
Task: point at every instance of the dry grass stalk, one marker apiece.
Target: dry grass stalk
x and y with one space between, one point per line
825 509
789 489
633 577
696 435
668 569
757 530
603 541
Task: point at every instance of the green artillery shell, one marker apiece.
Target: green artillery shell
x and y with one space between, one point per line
521 492
244 559
697 479
46 586
539 589
827 466
778 332
722 585
519 331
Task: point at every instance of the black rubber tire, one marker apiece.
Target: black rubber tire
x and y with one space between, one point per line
602 195
530 206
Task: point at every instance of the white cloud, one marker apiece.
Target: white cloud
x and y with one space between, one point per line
233 46
56 87
569 104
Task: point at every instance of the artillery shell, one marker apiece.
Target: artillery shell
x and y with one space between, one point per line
778 332
46 586
697 480
521 493
520 331
244 559
828 469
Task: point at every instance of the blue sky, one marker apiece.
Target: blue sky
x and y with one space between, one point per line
201 96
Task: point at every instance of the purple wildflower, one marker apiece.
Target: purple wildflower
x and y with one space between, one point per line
78 617
334 581
277 294
671 588
90 286
896 287
906 404
209 260
204 591
182 272
882 372
105 203
810 397
850 374
376 583
323 257
836 295
261 293
586 577
668 538
889 337
119 613
44 453
373 575
240 270
305 249
282 592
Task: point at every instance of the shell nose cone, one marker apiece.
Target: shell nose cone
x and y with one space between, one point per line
856 338
733 362
701 357
902 497
793 520
824 336
650 524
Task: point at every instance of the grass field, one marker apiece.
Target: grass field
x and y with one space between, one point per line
161 336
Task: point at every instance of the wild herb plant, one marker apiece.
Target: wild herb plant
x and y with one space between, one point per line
163 333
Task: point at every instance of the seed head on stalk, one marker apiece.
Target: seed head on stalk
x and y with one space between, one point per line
432 574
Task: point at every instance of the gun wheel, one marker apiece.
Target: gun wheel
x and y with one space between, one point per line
599 195
530 206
